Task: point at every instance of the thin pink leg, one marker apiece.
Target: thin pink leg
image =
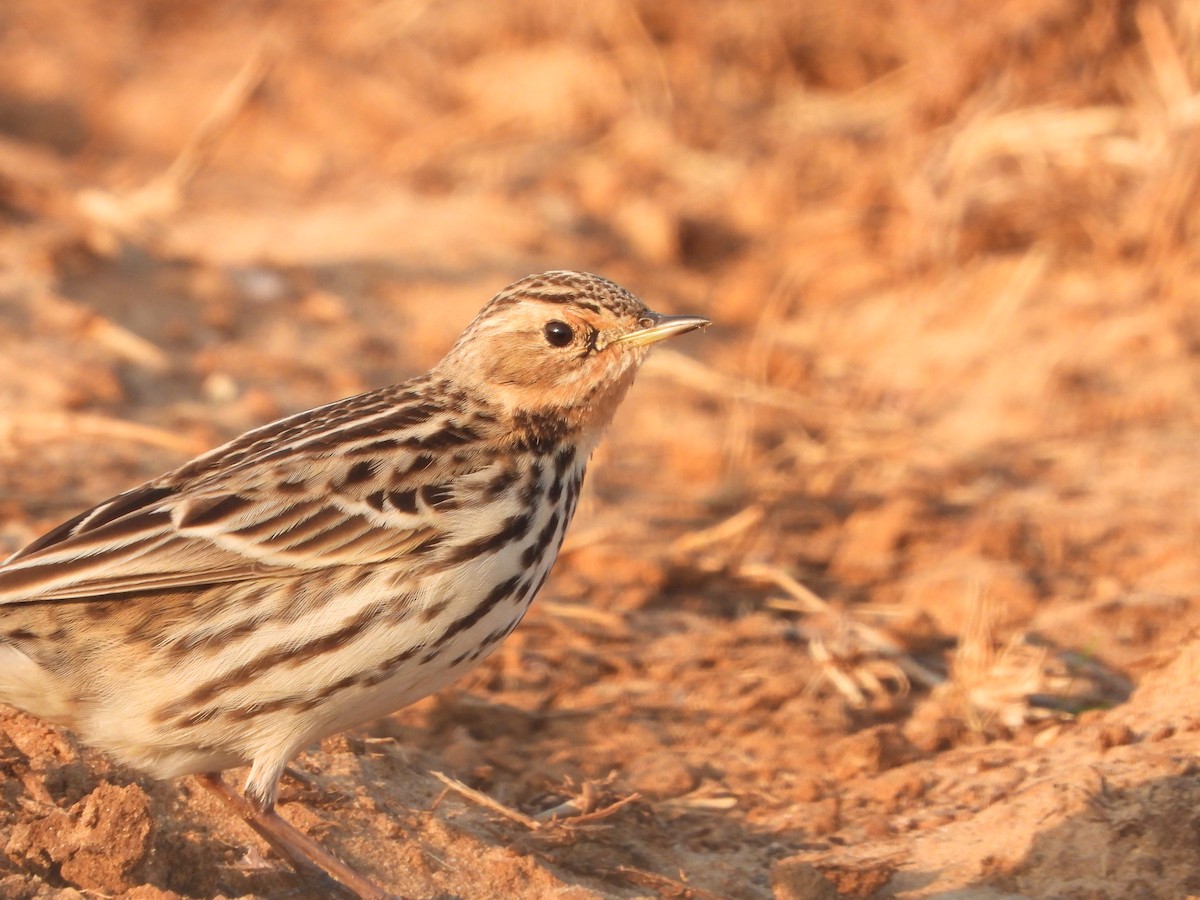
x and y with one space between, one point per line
306 855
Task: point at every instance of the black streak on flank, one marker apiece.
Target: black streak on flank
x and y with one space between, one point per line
500 483
277 656
386 668
436 611
212 641
537 549
530 590
382 672
515 528
500 592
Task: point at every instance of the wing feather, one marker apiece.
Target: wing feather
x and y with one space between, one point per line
285 516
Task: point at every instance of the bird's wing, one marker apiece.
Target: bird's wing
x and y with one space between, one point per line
260 507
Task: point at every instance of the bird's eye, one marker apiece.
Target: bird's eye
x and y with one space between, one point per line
558 334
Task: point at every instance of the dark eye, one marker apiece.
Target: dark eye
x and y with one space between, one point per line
558 334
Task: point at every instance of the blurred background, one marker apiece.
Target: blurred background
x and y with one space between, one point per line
855 569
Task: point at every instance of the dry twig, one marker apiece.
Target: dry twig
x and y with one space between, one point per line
482 799
579 810
115 216
893 663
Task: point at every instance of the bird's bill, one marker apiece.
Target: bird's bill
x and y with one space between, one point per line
660 328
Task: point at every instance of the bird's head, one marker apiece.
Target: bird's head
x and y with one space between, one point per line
560 343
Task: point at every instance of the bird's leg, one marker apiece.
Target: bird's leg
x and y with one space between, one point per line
305 854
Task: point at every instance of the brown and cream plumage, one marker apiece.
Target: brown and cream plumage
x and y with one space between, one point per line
333 566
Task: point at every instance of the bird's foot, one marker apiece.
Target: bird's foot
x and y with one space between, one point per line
308 857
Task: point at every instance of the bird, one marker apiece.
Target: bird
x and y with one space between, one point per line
327 569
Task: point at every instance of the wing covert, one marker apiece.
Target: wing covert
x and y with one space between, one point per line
302 513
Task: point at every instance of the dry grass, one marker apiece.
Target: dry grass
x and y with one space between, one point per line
930 480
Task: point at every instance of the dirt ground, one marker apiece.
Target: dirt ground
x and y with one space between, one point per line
884 586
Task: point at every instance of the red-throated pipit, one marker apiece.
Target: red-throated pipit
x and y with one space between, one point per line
331 567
